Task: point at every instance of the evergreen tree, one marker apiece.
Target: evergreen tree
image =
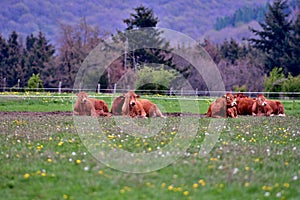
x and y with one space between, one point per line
3 58
291 59
37 56
231 50
141 18
274 36
12 64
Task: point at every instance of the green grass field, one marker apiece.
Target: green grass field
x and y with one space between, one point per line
48 102
45 157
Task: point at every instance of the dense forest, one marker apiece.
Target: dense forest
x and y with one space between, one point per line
241 16
193 18
243 66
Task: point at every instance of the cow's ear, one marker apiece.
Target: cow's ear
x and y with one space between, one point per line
224 96
77 94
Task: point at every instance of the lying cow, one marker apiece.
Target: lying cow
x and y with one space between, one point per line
223 107
100 107
83 106
135 107
116 108
232 112
277 106
261 107
267 107
244 105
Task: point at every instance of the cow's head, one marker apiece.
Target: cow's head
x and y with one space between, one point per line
261 100
240 96
82 97
230 100
130 97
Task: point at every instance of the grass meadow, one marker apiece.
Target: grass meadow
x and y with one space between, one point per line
42 156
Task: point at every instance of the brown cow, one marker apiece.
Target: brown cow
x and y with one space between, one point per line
132 107
244 105
84 106
240 95
223 107
232 112
268 107
150 108
261 107
116 108
139 107
101 107
277 106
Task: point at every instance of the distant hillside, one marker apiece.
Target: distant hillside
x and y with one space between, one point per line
241 16
193 18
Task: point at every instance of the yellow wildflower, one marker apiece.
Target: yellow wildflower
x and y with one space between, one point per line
78 161
100 172
202 182
286 185
186 193
26 176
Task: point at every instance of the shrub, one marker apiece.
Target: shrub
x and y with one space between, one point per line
274 82
35 83
155 80
242 88
292 84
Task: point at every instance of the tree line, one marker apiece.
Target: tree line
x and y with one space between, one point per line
242 15
275 45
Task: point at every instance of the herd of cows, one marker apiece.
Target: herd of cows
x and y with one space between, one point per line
234 105
130 104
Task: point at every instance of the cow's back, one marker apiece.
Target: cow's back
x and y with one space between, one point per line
244 106
117 104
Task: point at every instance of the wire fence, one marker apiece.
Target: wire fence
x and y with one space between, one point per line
67 99
168 94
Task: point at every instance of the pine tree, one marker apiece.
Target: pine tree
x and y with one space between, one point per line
3 58
274 36
143 17
231 50
292 59
39 53
12 65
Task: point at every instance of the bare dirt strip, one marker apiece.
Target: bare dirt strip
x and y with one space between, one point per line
70 113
